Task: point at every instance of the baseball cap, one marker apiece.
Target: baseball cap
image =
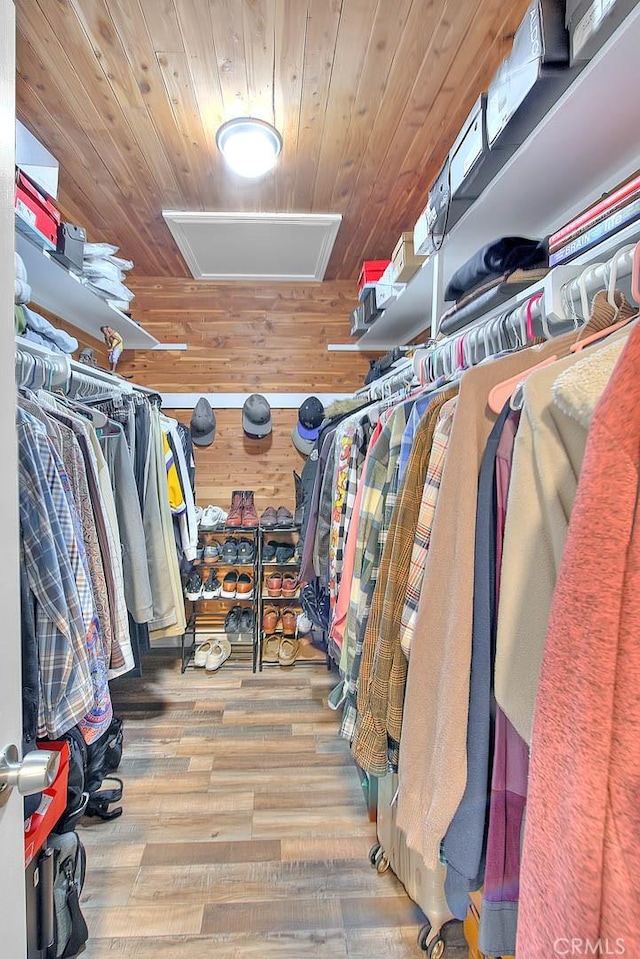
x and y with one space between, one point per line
256 417
310 419
203 423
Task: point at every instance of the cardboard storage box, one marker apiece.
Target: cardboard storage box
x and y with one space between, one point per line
405 260
532 77
591 23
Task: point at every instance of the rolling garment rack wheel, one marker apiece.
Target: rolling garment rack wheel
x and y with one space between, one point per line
436 948
374 852
382 863
423 936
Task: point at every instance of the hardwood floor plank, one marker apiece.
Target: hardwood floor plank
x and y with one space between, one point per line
244 832
196 853
126 921
309 915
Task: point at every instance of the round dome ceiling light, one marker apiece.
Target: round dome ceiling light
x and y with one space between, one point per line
250 147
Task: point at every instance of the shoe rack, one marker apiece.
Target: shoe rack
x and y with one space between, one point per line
279 601
210 616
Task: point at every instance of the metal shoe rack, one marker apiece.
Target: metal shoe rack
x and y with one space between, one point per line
207 616
283 535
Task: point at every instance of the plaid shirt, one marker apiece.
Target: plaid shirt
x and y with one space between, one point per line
48 545
425 524
352 443
383 668
421 406
375 516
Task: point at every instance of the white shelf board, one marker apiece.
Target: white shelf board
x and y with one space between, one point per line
58 290
407 317
586 144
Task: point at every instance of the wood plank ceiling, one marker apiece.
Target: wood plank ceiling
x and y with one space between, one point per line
368 95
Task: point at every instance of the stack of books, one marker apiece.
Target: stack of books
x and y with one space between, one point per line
607 216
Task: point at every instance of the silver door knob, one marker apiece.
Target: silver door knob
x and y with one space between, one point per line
37 771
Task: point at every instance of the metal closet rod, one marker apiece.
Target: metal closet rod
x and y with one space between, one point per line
556 308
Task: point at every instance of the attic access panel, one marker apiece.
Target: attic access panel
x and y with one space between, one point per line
290 247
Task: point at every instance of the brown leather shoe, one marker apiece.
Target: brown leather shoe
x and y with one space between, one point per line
269 518
274 585
244 588
235 515
289 586
270 618
289 622
249 515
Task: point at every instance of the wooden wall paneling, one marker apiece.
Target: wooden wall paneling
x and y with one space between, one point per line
323 21
448 108
388 28
290 34
270 338
234 461
351 49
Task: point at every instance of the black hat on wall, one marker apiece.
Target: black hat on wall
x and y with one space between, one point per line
203 423
256 417
310 419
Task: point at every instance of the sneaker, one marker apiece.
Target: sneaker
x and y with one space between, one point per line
193 588
199 512
269 518
212 587
233 620
201 653
269 551
212 517
245 551
246 621
218 654
230 551
211 554
303 624
284 516
229 584
285 552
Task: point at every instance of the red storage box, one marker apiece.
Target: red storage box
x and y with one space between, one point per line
370 273
52 805
34 207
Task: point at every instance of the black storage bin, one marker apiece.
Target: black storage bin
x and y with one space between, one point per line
371 312
441 212
70 246
531 78
591 23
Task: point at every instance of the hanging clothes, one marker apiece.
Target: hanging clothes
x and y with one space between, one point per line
581 857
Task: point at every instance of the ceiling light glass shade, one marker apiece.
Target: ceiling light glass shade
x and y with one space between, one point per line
250 147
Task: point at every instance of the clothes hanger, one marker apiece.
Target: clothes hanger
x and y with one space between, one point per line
615 302
635 274
501 392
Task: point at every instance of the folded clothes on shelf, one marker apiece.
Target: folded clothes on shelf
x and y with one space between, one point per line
487 296
494 260
39 330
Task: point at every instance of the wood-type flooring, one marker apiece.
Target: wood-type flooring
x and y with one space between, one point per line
245 833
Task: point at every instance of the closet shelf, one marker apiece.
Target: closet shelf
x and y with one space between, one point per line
585 144
56 289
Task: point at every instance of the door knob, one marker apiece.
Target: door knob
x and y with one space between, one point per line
35 772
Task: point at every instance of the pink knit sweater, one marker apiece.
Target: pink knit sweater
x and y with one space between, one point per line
581 861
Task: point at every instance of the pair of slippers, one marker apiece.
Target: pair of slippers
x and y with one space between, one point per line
212 654
280 649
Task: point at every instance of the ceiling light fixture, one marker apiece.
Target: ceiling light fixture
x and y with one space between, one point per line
249 146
